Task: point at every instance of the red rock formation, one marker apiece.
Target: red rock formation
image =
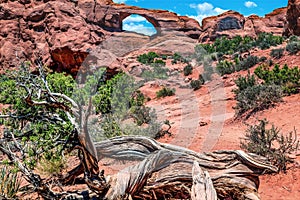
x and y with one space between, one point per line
110 16
54 31
62 33
293 18
232 23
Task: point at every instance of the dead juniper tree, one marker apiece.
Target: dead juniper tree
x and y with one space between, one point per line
41 121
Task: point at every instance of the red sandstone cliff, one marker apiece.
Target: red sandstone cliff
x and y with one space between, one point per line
232 23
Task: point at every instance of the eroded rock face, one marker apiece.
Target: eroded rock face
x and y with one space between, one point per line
54 31
232 23
110 16
62 33
293 18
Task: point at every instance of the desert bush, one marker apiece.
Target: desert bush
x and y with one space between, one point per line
157 71
277 53
61 83
243 83
256 98
158 61
51 165
8 92
187 70
165 92
287 78
293 47
110 126
147 58
164 57
138 111
270 143
266 40
262 59
224 45
103 98
293 38
247 63
176 57
225 67
196 84
9 183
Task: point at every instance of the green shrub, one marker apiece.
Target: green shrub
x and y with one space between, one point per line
244 82
9 183
256 98
266 40
158 71
196 84
293 47
164 57
247 63
225 67
111 126
287 78
224 45
293 38
8 92
138 111
262 59
178 58
158 61
165 92
187 70
61 83
147 58
102 100
277 53
270 143
51 165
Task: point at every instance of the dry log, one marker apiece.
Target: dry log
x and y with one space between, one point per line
154 170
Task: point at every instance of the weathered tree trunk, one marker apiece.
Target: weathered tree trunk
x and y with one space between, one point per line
155 170
203 188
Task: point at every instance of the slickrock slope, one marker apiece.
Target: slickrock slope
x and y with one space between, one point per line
232 23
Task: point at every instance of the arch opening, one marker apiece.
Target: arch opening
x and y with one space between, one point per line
139 24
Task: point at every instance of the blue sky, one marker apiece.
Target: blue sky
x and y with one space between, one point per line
197 9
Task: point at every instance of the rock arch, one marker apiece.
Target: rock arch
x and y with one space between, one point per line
151 20
110 16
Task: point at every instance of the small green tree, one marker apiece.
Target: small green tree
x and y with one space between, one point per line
187 70
196 84
164 92
147 58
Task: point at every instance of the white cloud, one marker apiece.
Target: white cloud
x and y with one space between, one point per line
119 1
250 4
205 10
134 18
139 28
